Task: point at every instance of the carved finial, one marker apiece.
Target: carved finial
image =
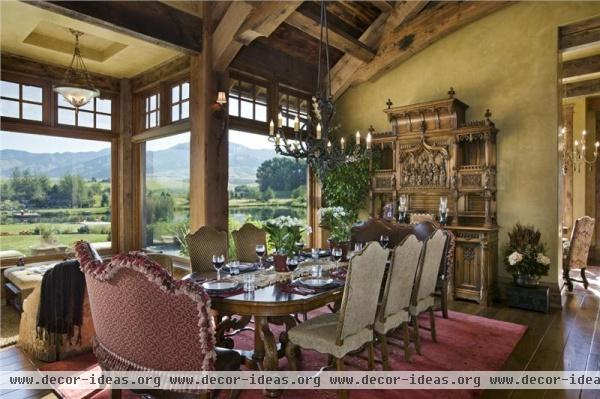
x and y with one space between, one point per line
487 114
451 92
389 103
371 130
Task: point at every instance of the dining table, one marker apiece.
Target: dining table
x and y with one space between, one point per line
276 300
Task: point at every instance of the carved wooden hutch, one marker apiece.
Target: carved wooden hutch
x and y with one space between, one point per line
432 151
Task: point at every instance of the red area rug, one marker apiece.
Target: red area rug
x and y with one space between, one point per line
465 342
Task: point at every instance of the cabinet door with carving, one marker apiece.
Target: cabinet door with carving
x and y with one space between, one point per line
467 271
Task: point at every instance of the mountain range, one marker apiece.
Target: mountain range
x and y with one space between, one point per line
170 163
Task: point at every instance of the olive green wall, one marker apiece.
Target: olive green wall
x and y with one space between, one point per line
506 62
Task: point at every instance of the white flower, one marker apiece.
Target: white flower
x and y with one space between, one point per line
543 259
515 258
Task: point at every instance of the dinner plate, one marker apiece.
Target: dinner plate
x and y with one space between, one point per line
220 285
315 282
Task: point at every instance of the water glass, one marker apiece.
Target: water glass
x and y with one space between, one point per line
317 271
249 282
234 268
358 246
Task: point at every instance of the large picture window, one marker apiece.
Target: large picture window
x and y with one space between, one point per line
166 194
263 185
20 101
55 191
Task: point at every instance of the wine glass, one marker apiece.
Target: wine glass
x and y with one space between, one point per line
384 240
299 247
337 256
292 263
218 261
260 252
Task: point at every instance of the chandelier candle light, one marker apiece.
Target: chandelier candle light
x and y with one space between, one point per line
579 152
77 87
315 142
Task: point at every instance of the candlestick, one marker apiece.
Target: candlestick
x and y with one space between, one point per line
328 146
343 143
279 120
369 141
271 128
318 131
277 139
296 124
357 137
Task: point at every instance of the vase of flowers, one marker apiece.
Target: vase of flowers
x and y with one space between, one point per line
339 222
283 233
525 256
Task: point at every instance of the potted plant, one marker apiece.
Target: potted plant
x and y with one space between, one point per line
339 222
283 233
525 256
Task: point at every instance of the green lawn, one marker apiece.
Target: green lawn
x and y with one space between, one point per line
23 243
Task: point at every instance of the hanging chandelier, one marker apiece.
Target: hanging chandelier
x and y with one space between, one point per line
317 143
77 87
579 156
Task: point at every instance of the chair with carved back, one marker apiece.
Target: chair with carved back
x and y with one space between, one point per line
246 239
146 320
393 310
576 254
425 283
162 259
338 334
370 230
203 244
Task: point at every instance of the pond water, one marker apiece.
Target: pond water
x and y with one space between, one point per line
240 215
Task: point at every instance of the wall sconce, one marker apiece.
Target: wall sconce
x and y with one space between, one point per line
219 106
221 98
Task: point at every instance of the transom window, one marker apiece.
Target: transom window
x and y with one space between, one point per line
96 114
152 111
180 101
291 107
20 101
248 100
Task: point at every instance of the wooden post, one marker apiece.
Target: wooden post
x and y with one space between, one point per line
567 189
208 140
125 172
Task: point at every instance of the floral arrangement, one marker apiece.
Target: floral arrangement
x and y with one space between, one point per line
339 222
284 232
524 253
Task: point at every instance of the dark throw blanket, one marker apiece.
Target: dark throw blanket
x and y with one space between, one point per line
61 301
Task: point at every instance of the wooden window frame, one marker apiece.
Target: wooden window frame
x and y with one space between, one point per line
145 113
169 99
94 112
247 124
22 81
298 95
49 126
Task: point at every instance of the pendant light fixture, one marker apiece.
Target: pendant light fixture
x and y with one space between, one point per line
77 87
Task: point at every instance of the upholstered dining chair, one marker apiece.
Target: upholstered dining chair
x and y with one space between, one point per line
162 259
393 309
338 334
369 231
203 244
576 252
427 275
147 321
246 239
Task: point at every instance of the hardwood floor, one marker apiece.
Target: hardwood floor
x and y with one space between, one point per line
565 339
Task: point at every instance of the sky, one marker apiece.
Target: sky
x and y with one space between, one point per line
44 144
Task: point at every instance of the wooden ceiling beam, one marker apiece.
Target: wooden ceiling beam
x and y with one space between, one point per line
419 33
579 33
581 67
344 69
338 39
262 20
224 46
586 88
152 21
383 5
